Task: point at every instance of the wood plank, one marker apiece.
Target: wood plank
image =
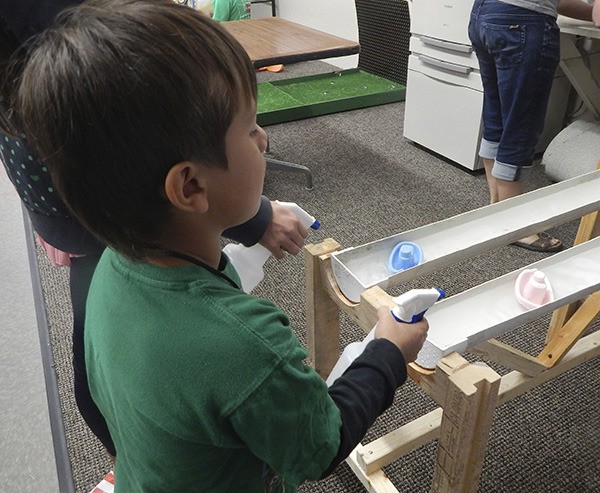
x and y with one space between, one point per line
589 228
572 64
468 413
400 442
384 450
434 383
371 300
559 319
376 482
571 331
516 383
509 357
322 313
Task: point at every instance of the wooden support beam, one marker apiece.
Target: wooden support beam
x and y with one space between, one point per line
571 331
510 357
400 442
515 383
370 301
468 413
572 64
375 482
322 313
435 383
589 227
559 319
422 430
411 436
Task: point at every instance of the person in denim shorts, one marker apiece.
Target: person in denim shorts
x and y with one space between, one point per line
517 45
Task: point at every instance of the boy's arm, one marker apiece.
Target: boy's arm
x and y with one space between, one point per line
364 392
367 387
252 231
303 430
576 9
276 228
596 13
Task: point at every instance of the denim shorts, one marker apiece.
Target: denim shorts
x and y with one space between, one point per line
518 52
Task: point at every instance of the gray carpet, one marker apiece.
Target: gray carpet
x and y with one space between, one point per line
371 183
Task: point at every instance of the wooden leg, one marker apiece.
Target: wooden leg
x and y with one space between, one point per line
571 331
471 399
322 313
559 318
589 228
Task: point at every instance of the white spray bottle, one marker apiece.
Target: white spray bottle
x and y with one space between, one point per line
249 261
410 308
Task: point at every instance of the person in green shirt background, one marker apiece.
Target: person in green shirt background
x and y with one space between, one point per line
231 10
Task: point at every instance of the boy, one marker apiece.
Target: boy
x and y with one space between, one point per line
145 112
275 227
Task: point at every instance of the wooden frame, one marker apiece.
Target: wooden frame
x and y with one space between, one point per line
467 394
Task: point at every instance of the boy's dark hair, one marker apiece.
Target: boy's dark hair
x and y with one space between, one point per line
115 94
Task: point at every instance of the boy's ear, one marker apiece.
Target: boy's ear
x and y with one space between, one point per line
185 187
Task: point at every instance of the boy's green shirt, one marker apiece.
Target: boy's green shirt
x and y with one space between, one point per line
231 10
201 384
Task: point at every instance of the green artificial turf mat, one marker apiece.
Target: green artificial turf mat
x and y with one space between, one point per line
271 97
304 97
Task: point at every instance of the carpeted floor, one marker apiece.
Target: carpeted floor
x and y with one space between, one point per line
371 183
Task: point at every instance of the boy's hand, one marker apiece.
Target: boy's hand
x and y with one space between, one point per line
285 233
409 338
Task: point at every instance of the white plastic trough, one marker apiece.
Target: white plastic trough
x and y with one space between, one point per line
463 236
486 311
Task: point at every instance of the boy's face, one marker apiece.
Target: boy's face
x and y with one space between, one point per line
245 144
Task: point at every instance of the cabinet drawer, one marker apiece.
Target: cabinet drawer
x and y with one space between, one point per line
459 54
448 72
444 117
441 19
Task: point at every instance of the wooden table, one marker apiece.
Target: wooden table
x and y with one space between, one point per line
273 40
572 62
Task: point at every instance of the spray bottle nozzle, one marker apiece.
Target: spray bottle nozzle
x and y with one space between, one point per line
413 304
305 218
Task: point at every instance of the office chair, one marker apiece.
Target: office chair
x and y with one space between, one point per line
384 37
285 166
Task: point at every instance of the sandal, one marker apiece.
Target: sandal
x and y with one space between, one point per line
544 244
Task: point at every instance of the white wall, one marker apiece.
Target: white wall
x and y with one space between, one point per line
336 17
27 462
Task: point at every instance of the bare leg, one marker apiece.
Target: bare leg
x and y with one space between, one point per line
502 189
488 164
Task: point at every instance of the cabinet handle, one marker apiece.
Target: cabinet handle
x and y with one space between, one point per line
453 67
447 45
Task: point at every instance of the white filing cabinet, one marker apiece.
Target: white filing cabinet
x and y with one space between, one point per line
444 95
